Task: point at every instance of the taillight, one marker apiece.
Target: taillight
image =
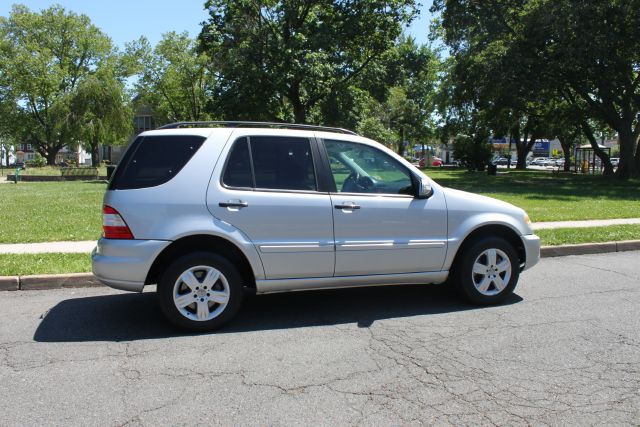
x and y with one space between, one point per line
113 226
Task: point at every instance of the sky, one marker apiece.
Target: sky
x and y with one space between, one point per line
125 21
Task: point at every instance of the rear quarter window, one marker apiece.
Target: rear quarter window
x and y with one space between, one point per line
154 160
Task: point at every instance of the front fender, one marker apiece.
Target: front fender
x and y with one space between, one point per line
460 230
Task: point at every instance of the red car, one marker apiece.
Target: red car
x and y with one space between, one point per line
437 162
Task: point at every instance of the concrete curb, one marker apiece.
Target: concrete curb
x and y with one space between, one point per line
589 248
48 281
85 280
57 281
9 283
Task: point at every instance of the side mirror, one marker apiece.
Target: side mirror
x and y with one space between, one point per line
424 189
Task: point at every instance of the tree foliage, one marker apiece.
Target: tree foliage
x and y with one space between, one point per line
473 152
402 86
45 56
100 114
515 57
173 78
278 59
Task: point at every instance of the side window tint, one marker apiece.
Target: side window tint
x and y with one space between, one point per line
359 168
154 160
282 163
238 169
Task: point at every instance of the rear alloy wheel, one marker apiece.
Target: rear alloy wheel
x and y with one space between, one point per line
200 291
487 271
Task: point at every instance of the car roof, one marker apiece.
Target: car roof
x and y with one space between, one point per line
250 124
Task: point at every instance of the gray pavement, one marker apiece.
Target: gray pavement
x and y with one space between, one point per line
88 245
564 350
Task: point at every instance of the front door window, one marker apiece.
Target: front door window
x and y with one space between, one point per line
359 168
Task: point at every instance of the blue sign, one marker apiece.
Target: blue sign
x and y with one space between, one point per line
541 148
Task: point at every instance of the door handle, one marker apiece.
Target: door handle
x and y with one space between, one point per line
349 205
232 204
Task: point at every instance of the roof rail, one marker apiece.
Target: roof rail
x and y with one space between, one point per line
240 124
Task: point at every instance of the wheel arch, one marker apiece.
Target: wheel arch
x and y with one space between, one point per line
206 243
493 230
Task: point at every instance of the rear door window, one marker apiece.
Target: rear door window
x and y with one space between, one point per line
238 170
154 160
271 163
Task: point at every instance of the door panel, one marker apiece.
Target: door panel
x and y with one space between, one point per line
389 235
293 232
379 227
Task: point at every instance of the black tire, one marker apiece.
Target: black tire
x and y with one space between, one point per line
464 279
167 284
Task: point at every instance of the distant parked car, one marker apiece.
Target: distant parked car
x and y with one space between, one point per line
437 161
540 161
560 162
615 161
503 161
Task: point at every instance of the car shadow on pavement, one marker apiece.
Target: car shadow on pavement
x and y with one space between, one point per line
129 316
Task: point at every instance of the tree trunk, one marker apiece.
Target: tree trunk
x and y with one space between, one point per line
299 110
628 166
401 143
50 156
95 155
566 149
521 148
49 152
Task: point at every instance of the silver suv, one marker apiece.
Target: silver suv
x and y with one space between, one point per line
209 210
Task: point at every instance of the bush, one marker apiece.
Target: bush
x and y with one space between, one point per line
474 153
37 162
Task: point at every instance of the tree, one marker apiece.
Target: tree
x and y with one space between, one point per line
45 56
473 152
373 128
100 113
403 84
278 59
174 78
585 53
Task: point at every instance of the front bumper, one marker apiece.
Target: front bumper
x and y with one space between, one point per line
532 250
124 264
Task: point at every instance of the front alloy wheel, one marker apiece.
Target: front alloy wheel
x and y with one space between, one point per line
487 271
491 272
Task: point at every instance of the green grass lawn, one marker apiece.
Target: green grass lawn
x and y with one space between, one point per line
546 197
50 211
55 263
612 233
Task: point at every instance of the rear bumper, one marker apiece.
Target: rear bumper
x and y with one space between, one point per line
124 264
532 250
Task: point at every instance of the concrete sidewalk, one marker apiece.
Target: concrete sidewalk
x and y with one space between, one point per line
87 246
46 247
584 224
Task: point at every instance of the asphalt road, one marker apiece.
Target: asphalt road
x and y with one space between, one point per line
564 350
